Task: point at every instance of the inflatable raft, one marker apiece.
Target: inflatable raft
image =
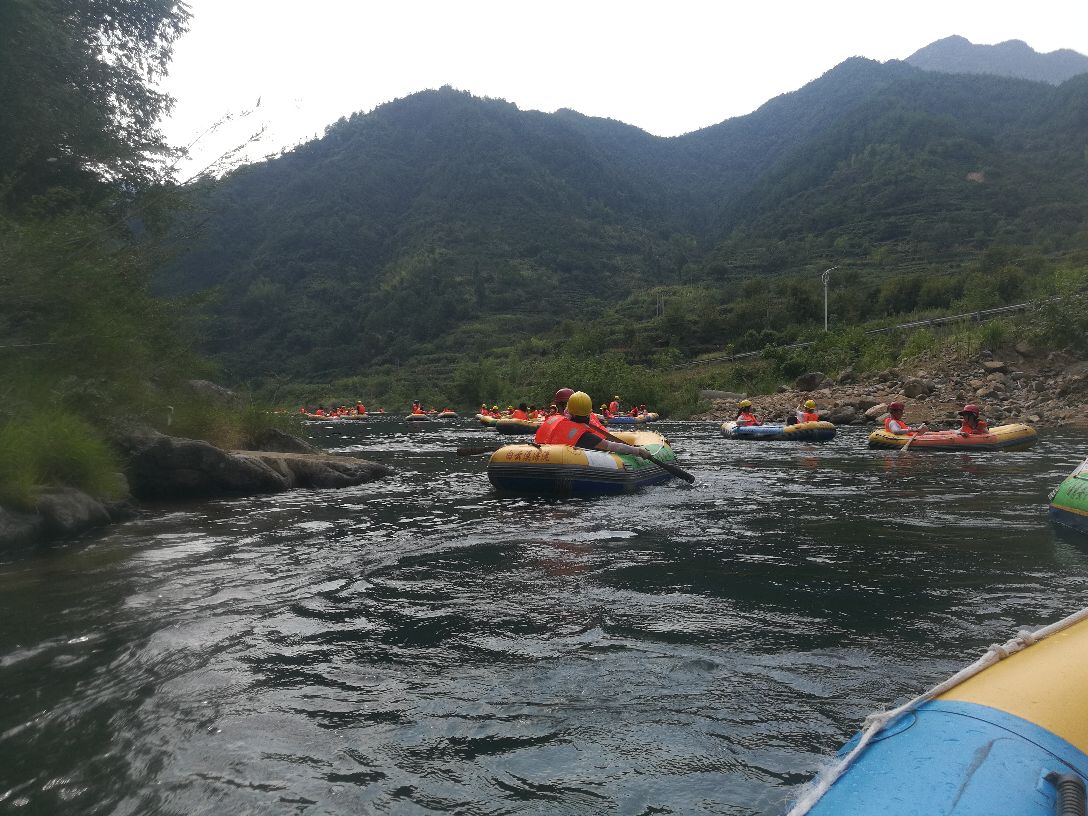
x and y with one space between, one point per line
996 744
1003 437
1069 504
775 432
447 415
419 418
627 419
507 425
560 470
486 419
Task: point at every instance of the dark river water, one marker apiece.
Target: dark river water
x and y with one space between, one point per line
422 645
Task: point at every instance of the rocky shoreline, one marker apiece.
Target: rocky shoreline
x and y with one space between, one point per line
161 467
1013 385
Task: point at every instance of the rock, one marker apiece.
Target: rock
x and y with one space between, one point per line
319 470
915 387
810 381
996 377
862 403
876 411
886 376
985 393
1039 386
1017 376
66 511
782 389
846 376
214 393
706 394
842 415
1025 349
991 366
162 466
19 528
272 439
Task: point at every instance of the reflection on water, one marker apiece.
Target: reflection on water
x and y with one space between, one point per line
422 645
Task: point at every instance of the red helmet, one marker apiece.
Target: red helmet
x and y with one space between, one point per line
562 395
970 408
896 406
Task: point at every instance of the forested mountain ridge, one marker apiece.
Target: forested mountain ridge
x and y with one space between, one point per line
1013 58
445 224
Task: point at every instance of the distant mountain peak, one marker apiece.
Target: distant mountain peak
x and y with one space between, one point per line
1013 58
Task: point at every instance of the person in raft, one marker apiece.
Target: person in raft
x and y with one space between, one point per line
894 424
614 406
575 430
971 422
745 417
416 407
521 412
807 412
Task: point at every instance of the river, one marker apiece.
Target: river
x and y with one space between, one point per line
421 645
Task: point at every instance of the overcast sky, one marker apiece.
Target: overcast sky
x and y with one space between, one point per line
668 67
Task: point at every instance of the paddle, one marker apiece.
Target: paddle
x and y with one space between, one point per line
679 473
911 441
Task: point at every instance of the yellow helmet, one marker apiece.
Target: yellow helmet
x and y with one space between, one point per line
810 403
745 403
579 404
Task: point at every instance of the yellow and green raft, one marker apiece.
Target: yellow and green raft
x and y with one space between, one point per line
1069 504
562 470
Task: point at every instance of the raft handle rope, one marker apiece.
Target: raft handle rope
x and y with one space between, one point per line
1070 798
875 722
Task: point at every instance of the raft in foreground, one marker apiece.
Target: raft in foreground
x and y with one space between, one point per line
987 746
1069 504
561 470
1003 437
777 432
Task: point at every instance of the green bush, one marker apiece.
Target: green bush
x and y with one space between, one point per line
53 449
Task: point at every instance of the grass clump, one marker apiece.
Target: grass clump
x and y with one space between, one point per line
50 450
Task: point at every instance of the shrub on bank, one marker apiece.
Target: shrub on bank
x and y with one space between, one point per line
51 449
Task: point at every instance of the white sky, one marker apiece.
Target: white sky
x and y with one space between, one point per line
668 67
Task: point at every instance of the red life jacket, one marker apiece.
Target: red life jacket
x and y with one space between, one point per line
812 416
595 421
568 432
519 414
980 427
747 418
634 412
900 427
417 410
319 412
613 407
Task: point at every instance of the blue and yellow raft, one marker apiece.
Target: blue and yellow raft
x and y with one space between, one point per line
1069 504
562 470
995 745
777 432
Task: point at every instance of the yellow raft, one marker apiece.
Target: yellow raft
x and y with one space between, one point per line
1003 437
562 470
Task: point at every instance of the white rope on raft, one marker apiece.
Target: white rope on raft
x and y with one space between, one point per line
876 721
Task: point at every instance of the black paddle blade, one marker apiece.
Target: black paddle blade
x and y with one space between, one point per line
679 473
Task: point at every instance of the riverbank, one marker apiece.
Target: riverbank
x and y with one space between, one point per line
1019 384
165 468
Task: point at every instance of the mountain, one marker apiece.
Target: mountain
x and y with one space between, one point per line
443 226
1014 58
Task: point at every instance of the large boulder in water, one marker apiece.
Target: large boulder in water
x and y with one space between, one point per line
272 439
66 511
19 528
165 467
320 470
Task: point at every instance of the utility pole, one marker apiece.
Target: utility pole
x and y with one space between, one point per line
825 276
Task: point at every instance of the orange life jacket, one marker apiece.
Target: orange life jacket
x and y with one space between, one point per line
980 427
899 428
810 416
416 409
568 432
747 418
